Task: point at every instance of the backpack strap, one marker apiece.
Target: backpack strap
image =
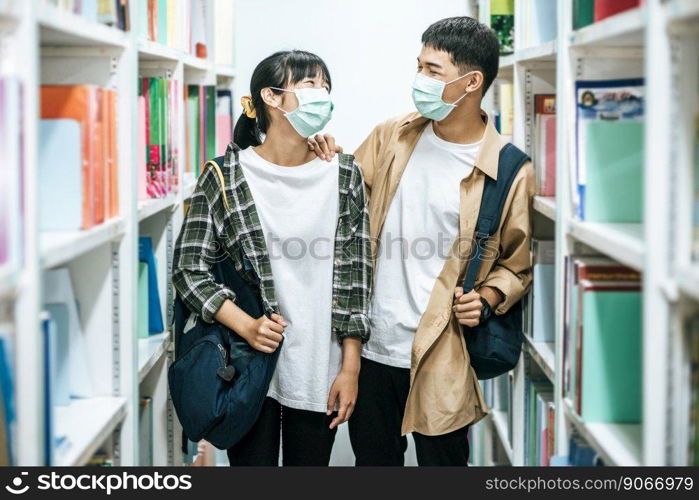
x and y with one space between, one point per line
492 203
217 165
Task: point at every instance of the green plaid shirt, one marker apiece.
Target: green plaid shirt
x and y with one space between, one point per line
211 232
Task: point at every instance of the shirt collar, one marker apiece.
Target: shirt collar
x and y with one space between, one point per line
488 154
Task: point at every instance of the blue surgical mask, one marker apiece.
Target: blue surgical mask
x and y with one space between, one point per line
427 96
313 112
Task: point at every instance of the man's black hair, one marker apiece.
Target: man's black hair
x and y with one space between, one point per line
471 45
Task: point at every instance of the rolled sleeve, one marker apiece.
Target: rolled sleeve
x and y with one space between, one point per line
512 273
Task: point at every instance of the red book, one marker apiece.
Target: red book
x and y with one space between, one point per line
606 8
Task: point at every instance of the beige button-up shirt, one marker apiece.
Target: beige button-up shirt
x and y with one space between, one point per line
444 391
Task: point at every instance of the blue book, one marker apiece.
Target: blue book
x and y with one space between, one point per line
49 337
60 376
60 175
7 393
155 316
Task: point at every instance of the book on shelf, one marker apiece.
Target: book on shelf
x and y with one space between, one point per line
535 418
614 187
142 171
602 340
200 108
72 371
145 432
179 24
583 13
581 454
607 8
504 114
601 100
544 150
224 32
692 333
162 153
11 173
93 108
110 12
146 255
224 120
7 395
502 20
540 304
540 22
53 441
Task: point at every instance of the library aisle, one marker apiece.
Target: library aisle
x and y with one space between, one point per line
108 110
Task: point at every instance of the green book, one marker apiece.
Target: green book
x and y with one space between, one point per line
614 165
142 301
583 13
502 21
210 122
612 376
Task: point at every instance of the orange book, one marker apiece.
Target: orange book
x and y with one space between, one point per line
111 174
77 102
100 163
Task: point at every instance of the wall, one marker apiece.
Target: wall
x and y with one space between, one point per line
370 47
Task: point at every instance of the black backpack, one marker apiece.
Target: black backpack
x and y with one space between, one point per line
494 347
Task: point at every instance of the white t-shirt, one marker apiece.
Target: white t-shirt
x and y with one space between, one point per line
420 228
298 210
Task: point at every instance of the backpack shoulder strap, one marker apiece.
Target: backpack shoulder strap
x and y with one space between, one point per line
217 165
492 203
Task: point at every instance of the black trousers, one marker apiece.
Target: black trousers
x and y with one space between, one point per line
305 436
374 428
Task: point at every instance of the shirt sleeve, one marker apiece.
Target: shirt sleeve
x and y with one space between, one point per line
196 249
361 263
512 273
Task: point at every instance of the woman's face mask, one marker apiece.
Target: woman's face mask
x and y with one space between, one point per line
427 96
313 112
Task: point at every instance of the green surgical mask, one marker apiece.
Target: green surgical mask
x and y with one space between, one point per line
313 112
427 96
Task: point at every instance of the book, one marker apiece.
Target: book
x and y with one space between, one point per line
60 177
543 292
502 21
8 417
540 22
224 32
58 289
11 173
506 101
544 150
200 107
143 308
607 8
141 150
611 100
224 120
583 13
59 376
147 256
145 432
614 164
581 454
110 12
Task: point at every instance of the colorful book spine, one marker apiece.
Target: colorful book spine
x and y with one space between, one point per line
544 151
502 20
607 8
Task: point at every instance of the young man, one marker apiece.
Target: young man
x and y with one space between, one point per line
425 174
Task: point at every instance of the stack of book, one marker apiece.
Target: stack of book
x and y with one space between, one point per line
608 181
200 124
110 12
158 154
539 418
180 24
7 395
544 149
11 172
66 372
603 340
150 315
78 157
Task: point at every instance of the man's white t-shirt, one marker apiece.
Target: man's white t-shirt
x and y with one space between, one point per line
298 210
420 228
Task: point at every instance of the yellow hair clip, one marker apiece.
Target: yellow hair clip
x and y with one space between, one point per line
248 106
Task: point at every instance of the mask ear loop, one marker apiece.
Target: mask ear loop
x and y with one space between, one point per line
465 93
279 107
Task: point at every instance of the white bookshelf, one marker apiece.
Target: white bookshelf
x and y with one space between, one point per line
43 44
658 41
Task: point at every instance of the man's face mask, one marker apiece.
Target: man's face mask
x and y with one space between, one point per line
313 112
427 96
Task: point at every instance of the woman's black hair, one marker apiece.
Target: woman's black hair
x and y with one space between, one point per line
281 69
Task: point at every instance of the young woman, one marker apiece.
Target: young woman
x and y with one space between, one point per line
303 225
